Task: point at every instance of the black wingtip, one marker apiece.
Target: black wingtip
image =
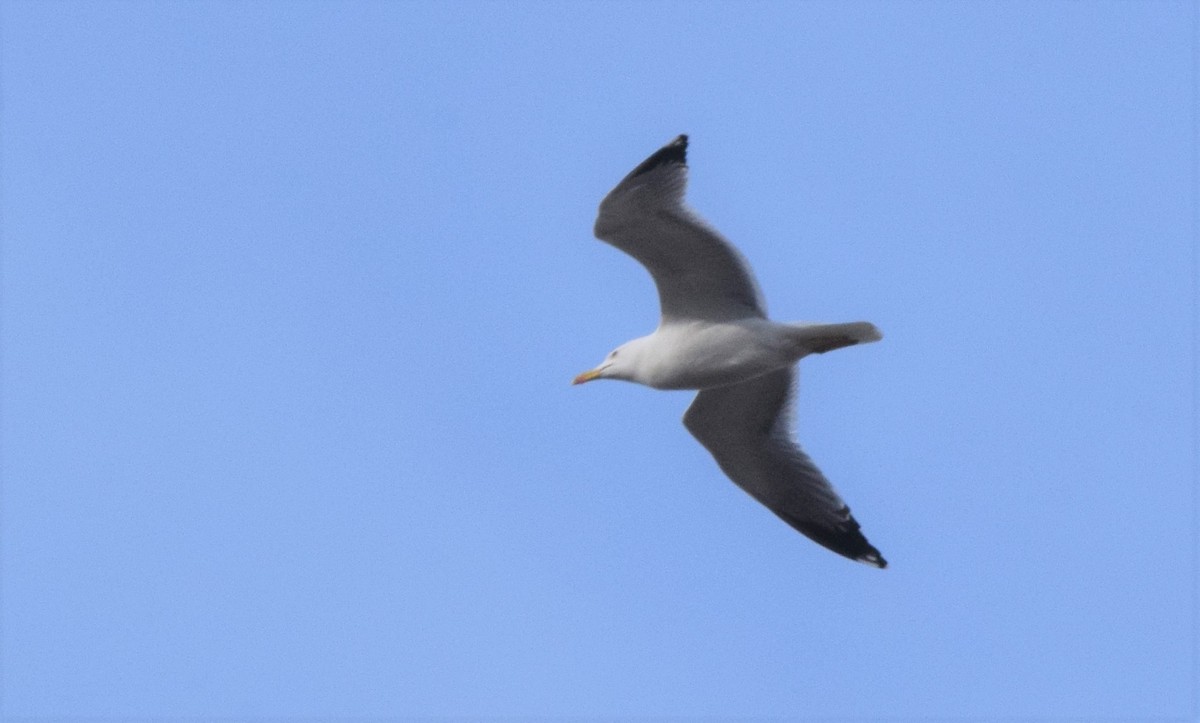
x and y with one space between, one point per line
855 546
673 152
847 541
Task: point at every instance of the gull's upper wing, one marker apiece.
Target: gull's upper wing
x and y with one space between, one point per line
745 426
698 273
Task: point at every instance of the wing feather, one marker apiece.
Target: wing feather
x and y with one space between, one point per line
699 275
746 428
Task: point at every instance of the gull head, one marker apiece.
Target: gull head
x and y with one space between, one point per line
621 363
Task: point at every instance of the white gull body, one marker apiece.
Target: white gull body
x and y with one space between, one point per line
714 336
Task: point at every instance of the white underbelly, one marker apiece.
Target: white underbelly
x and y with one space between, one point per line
713 355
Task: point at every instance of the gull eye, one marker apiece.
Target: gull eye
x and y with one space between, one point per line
613 354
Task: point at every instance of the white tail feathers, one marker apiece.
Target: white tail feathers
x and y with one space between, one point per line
820 338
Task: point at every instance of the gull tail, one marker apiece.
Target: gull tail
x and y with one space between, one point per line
820 338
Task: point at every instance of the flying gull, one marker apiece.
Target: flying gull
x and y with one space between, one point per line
714 336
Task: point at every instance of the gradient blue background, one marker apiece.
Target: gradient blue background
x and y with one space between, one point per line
293 293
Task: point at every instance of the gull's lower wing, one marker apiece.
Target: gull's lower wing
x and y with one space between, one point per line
746 428
698 273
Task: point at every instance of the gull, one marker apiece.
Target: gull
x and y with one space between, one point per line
714 336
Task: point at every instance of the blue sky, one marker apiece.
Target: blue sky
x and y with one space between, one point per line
293 294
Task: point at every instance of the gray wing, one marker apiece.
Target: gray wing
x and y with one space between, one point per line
745 426
698 273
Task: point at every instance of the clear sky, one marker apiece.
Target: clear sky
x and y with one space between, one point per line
293 294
